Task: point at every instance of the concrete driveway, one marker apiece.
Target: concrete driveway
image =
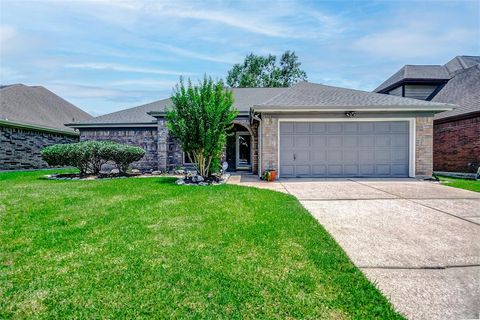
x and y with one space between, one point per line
418 241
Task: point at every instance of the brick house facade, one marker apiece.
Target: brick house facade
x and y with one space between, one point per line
257 131
456 146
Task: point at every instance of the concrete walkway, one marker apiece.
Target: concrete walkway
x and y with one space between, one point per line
418 241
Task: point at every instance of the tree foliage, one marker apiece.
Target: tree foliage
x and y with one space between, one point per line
263 71
200 118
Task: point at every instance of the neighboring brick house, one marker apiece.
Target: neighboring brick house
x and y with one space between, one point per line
456 146
32 118
307 130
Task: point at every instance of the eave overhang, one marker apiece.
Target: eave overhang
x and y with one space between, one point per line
27 126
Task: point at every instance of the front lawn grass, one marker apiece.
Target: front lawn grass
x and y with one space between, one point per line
472 185
147 248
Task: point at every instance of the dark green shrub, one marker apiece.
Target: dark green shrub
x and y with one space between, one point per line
124 155
89 156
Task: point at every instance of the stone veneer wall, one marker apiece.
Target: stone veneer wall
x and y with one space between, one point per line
456 145
424 147
145 138
20 148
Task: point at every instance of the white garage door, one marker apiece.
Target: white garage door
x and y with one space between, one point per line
344 149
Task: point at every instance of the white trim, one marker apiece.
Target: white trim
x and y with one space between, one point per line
259 149
344 109
412 137
243 133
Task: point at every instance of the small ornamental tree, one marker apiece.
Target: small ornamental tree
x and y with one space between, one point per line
200 118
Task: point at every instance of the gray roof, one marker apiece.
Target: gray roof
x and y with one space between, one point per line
463 90
244 99
311 95
430 72
415 72
37 106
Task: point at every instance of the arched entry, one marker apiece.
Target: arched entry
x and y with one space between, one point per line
239 149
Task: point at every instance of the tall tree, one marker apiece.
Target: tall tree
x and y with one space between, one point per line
200 118
263 71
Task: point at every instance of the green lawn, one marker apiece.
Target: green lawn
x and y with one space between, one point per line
473 185
147 248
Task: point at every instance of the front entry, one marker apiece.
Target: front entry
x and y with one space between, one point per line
239 150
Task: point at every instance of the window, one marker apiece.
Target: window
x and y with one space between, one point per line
186 159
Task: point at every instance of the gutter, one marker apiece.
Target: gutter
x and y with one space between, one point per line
33 127
271 108
113 125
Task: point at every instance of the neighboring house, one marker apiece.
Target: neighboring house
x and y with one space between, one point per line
307 130
457 132
30 119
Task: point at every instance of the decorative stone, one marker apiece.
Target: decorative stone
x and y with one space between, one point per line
156 172
114 171
203 184
180 181
135 171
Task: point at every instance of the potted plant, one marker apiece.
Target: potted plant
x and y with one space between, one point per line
270 175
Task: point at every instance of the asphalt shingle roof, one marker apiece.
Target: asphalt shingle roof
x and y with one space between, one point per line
37 106
305 94
244 99
463 90
430 72
416 72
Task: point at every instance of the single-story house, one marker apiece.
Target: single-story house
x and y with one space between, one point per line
456 133
31 118
307 130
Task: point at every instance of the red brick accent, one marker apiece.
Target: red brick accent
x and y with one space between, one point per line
456 145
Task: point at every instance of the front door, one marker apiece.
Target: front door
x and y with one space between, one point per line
243 151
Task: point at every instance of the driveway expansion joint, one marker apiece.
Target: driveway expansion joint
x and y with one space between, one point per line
416 202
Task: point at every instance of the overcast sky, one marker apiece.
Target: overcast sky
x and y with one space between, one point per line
109 55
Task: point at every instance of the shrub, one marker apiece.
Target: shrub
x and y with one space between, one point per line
124 155
89 156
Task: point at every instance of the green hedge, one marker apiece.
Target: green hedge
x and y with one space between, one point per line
89 156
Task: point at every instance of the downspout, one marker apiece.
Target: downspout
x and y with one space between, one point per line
260 138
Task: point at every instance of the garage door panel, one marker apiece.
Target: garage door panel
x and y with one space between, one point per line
366 141
334 141
286 142
319 170
344 149
318 127
318 141
286 127
350 170
350 141
382 156
302 141
334 170
350 156
302 156
302 127
334 127
302 170
399 169
366 127
366 170
318 156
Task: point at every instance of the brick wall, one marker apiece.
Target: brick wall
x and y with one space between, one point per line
424 147
269 143
145 138
20 148
456 145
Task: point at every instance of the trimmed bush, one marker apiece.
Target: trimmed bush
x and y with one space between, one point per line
89 156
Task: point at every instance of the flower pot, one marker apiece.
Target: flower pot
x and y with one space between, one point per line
272 175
